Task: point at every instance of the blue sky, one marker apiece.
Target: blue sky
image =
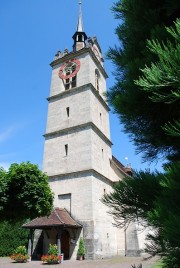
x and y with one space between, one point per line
31 32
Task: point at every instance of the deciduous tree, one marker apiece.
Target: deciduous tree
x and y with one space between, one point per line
26 192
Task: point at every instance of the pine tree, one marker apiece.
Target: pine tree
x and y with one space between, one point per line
142 118
162 79
146 99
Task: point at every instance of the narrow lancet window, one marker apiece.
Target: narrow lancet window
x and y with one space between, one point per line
67 111
100 118
66 149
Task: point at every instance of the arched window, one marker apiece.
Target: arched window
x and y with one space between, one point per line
97 79
80 38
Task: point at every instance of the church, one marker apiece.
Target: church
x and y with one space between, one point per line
78 159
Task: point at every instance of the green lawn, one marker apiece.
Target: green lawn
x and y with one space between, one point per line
157 265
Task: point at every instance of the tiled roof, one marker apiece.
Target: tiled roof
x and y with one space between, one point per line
124 169
58 217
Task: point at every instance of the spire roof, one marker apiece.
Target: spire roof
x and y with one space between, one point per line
80 36
80 21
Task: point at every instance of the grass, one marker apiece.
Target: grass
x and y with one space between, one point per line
122 259
157 265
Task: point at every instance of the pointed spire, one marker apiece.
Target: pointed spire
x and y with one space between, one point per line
80 21
80 36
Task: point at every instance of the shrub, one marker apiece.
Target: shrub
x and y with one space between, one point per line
21 250
52 256
81 249
53 250
11 237
20 254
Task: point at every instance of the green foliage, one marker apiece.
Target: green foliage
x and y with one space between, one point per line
20 254
157 265
3 189
24 194
81 249
165 216
172 129
53 250
143 20
27 191
148 106
162 79
21 250
153 200
53 256
133 198
172 259
11 237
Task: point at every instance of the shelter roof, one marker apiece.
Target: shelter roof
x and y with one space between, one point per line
59 217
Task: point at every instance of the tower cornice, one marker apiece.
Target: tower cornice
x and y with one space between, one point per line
77 90
78 53
79 128
81 173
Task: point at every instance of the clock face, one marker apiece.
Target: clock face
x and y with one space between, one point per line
69 69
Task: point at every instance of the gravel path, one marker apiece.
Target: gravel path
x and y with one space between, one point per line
117 262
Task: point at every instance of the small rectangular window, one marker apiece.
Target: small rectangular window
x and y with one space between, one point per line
100 118
67 111
66 149
73 83
67 84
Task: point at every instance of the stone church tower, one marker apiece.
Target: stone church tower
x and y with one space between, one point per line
77 152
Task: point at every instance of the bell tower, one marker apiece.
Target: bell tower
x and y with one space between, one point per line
77 150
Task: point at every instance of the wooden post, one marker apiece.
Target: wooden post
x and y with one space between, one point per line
30 243
59 241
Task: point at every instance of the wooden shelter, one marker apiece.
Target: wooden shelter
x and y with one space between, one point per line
59 227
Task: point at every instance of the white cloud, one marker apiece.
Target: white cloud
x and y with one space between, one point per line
6 134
